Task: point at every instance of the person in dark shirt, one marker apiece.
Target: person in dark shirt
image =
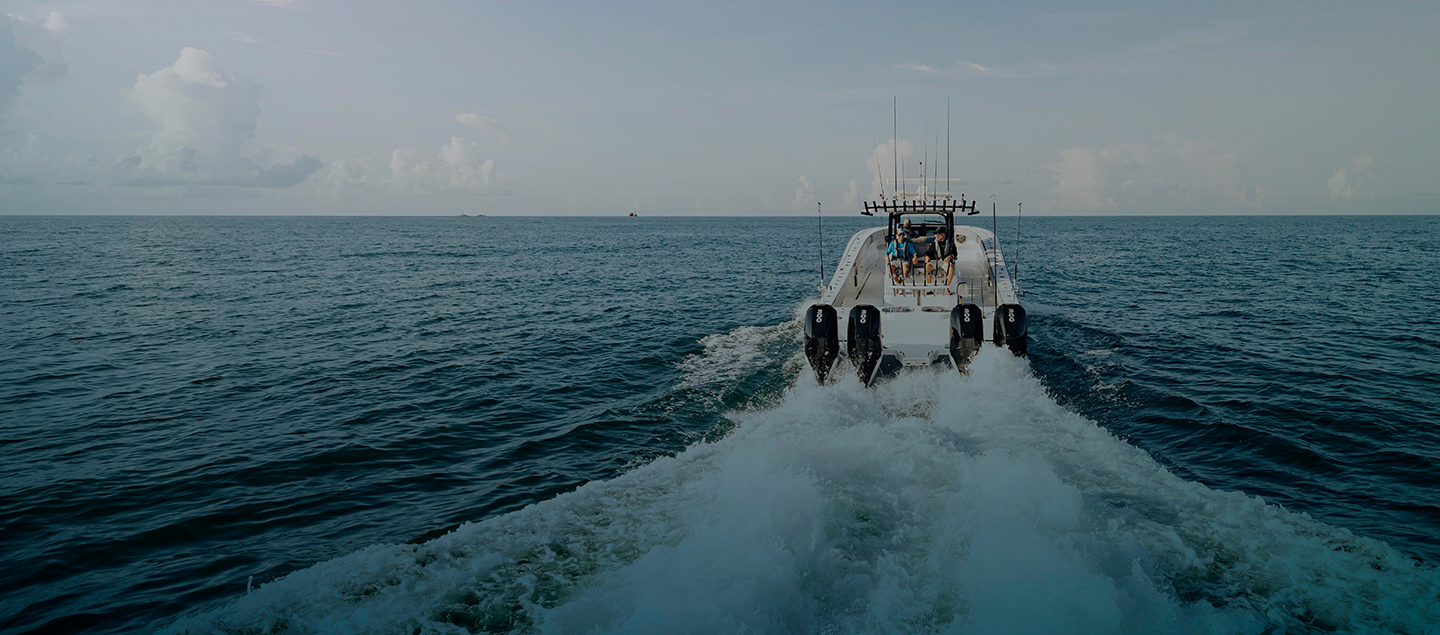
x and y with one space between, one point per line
940 257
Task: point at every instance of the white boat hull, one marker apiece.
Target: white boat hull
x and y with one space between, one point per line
916 324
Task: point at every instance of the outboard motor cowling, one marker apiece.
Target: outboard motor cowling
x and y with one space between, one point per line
822 339
967 331
1010 328
863 343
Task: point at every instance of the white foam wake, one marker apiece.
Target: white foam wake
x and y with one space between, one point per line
934 503
731 356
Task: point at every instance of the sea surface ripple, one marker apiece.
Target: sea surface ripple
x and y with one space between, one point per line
576 425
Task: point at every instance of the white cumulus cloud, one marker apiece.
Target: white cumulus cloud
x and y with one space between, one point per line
486 125
204 121
1165 176
457 169
851 196
344 179
56 24
1352 180
804 194
882 160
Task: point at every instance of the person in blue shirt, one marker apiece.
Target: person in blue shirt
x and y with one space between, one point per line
901 256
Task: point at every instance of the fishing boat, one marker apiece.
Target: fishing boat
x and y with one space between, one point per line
918 291
886 317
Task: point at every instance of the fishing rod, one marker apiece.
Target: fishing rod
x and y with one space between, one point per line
994 224
1015 280
935 167
995 245
820 227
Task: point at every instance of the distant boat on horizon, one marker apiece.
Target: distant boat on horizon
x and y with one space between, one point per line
476 216
634 215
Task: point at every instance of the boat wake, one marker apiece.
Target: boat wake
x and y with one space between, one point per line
934 502
731 357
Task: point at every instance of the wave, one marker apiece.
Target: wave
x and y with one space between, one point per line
934 502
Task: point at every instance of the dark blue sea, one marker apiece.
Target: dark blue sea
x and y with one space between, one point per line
584 425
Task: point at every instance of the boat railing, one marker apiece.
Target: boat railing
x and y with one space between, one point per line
970 289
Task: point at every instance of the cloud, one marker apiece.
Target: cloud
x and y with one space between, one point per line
15 63
851 197
29 50
486 126
280 175
32 161
346 178
919 67
1165 176
882 160
1079 181
804 195
969 70
1352 180
205 119
56 24
44 38
348 173
457 169
483 124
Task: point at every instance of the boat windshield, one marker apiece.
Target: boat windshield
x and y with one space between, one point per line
921 228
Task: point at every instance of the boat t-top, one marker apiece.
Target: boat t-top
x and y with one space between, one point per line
889 307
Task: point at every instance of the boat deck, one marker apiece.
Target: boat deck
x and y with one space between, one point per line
915 312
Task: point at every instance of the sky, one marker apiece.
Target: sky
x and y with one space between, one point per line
715 108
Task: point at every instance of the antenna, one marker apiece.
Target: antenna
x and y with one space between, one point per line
926 139
879 172
947 144
904 191
895 142
935 167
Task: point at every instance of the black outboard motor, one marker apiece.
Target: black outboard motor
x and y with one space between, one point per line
1010 328
822 339
967 331
863 343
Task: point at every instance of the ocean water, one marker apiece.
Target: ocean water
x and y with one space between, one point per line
464 425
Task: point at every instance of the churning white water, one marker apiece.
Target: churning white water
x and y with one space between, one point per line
933 503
